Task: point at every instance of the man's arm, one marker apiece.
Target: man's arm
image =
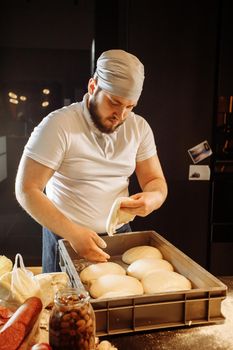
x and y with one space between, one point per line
31 180
153 184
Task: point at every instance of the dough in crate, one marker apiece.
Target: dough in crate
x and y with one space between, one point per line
141 267
94 271
165 281
115 285
139 252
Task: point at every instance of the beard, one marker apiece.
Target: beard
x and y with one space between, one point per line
98 120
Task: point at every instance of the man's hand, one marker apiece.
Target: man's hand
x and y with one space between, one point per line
88 245
154 188
31 180
143 203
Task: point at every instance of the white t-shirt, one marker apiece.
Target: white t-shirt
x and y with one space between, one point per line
92 169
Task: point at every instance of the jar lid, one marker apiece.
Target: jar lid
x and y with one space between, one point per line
71 296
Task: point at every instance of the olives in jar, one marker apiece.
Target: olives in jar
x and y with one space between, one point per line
72 321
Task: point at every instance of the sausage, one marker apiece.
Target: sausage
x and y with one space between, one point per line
5 314
20 324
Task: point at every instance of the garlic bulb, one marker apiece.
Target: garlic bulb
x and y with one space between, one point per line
105 345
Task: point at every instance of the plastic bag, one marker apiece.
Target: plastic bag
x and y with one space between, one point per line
23 284
19 284
50 283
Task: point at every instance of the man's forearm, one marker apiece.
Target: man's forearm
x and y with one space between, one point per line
41 209
31 180
159 187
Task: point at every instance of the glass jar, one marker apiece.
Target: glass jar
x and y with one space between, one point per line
72 321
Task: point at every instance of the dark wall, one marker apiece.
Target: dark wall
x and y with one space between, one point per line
225 86
43 44
63 24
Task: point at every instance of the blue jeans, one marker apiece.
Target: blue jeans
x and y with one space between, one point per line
50 252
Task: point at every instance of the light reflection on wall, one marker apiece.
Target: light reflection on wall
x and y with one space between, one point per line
24 105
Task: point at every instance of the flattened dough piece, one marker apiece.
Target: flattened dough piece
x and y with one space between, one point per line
141 267
94 271
165 281
115 283
117 216
139 252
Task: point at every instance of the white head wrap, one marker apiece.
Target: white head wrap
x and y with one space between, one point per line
120 73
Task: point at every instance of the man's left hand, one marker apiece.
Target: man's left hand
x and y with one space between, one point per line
143 203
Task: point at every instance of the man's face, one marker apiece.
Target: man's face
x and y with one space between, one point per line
107 111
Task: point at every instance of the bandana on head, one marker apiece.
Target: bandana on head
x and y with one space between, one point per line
120 73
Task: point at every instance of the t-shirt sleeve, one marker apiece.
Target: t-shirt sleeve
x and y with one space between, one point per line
47 142
147 146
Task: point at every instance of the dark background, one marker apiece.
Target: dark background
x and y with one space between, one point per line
187 50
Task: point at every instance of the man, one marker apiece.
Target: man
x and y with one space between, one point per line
84 154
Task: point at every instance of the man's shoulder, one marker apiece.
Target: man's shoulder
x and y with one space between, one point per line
136 119
65 111
65 115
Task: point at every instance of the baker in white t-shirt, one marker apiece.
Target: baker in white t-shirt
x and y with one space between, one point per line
79 159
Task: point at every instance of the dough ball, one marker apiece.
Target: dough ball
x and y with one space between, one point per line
116 294
115 283
94 271
141 267
165 281
144 251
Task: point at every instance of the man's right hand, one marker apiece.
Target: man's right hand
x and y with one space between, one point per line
88 245
31 180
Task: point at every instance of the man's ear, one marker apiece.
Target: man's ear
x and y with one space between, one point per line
92 85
